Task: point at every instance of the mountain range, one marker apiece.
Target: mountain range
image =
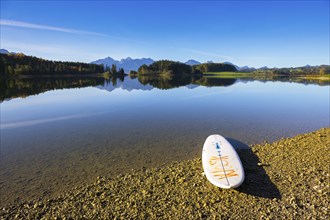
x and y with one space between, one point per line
129 63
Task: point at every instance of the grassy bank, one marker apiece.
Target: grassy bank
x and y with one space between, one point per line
289 178
258 75
228 74
322 78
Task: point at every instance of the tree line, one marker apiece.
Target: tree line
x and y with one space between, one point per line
20 64
296 71
113 70
214 67
165 66
172 67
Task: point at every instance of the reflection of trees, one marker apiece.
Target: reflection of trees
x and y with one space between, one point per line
281 78
114 79
23 87
173 81
166 81
213 81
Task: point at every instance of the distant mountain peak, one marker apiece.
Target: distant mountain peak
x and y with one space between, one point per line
228 63
192 62
107 58
4 51
128 59
127 64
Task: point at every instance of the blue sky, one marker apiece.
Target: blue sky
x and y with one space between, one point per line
253 33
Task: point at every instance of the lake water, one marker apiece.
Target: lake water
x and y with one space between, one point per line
60 133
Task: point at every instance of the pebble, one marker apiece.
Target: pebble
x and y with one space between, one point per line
179 191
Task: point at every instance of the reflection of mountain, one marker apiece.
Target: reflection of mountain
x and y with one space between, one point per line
192 86
23 87
148 82
126 84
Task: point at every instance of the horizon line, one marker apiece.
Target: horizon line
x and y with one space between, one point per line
155 60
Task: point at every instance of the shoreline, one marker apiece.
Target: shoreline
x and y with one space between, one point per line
287 178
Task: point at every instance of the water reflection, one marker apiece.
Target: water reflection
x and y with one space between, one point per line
24 87
169 82
63 138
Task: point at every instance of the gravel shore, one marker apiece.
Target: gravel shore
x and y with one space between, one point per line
289 178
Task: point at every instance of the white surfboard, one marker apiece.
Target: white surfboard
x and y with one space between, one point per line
221 163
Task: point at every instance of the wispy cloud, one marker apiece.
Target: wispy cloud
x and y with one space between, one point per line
22 24
223 57
35 48
52 51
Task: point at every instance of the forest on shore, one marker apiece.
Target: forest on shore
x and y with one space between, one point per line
20 64
295 71
173 67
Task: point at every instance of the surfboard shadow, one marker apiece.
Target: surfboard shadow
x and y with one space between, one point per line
257 182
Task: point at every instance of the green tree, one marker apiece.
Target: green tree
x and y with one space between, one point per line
121 71
113 69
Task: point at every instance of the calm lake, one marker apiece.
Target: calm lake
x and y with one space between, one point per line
59 133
